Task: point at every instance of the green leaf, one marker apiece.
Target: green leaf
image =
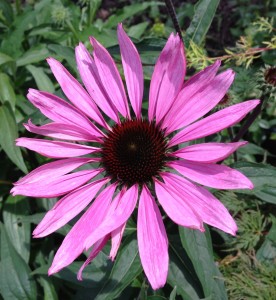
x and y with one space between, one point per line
126 268
198 247
34 55
49 291
42 80
181 275
4 58
138 30
173 294
7 12
16 280
129 11
7 93
263 177
66 53
18 231
8 135
202 19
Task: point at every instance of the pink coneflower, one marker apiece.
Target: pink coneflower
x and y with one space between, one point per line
140 156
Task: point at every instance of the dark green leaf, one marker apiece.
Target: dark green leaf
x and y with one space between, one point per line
18 231
42 80
197 246
8 134
126 268
180 275
129 11
204 14
34 55
7 12
4 58
263 177
6 90
66 53
16 280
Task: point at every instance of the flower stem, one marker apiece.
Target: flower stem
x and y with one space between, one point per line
171 11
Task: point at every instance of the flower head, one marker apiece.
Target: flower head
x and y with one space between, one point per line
141 158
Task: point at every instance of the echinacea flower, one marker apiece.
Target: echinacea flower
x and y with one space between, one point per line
145 157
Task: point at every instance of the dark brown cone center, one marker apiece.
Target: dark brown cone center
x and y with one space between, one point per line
134 151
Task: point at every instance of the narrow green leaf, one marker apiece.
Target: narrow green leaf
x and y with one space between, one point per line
34 55
7 93
8 134
173 293
202 19
7 11
18 231
49 291
16 280
126 268
197 245
42 80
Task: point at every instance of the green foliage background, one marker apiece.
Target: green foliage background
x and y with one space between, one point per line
202 266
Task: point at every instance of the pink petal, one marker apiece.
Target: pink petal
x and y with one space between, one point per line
67 208
94 252
55 187
75 92
152 241
212 175
55 149
60 111
54 169
208 152
187 109
132 69
167 78
120 210
177 209
91 79
214 123
73 244
110 78
61 131
116 237
210 209
194 85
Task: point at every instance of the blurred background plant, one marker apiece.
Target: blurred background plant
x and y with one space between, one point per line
239 32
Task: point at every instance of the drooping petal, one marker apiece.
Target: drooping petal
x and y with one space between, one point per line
208 152
91 79
75 92
194 107
61 131
133 71
55 187
94 252
54 149
67 208
73 244
61 111
110 78
167 78
54 169
116 237
177 209
118 214
209 208
214 123
212 175
152 241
